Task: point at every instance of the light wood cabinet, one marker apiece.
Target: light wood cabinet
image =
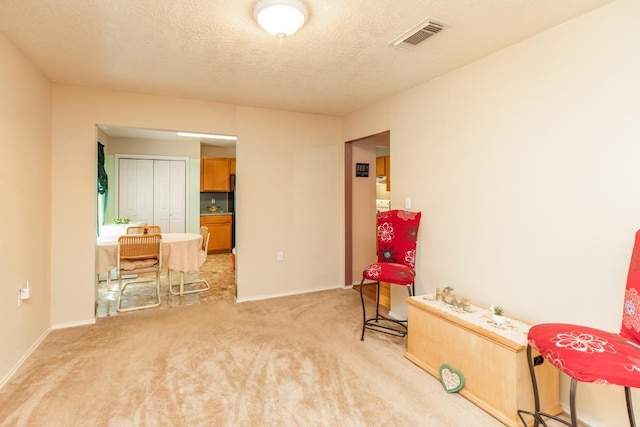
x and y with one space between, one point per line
214 174
495 368
383 168
220 227
387 165
385 293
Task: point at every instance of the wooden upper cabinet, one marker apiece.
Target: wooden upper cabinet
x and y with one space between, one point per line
381 166
232 166
214 174
387 163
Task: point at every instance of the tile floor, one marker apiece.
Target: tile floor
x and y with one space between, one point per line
217 271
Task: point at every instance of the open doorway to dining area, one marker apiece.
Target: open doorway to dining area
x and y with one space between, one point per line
150 177
218 270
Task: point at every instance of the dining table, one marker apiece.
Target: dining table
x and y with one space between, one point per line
180 252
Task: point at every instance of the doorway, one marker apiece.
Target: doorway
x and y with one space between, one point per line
176 160
360 205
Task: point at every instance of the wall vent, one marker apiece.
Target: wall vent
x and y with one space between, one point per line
418 33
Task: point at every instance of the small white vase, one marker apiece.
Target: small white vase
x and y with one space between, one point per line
499 320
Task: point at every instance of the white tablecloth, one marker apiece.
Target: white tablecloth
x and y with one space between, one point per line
180 251
116 229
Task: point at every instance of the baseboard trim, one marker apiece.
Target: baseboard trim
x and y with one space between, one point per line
73 324
24 358
581 420
288 294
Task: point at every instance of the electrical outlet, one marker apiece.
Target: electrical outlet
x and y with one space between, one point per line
280 256
25 293
407 203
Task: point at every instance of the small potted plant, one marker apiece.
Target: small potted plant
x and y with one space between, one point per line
497 313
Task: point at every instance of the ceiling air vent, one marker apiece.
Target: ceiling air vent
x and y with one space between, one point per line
418 34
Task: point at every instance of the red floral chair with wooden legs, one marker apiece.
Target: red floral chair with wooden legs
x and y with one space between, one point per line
592 355
397 237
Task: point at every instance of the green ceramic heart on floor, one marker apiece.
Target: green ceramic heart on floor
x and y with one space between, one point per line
452 380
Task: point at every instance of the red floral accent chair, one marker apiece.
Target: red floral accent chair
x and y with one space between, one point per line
397 237
592 355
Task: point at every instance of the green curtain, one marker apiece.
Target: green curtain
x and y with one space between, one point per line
103 180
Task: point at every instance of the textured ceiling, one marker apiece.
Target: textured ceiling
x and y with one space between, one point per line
213 50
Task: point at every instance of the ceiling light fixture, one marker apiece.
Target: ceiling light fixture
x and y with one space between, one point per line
280 18
208 135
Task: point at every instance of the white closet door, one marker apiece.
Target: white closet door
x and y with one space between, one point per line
178 197
153 192
144 196
127 189
162 187
135 192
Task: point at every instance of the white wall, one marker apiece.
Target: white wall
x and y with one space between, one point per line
25 191
525 166
289 198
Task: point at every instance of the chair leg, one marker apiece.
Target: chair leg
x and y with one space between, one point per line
182 284
122 289
364 313
572 403
627 395
377 301
373 323
537 414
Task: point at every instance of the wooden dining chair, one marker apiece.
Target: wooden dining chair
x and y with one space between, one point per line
139 229
202 258
139 254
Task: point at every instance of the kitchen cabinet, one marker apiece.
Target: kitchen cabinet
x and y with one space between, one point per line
387 163
385 293
214 174
383 168
220 227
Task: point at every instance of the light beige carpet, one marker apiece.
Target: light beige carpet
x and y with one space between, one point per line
292 361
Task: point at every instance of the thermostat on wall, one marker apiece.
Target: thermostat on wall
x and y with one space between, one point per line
362 170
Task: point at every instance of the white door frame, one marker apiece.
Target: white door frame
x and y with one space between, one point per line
116 194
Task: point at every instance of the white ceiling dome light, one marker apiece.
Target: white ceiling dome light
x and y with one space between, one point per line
280 17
